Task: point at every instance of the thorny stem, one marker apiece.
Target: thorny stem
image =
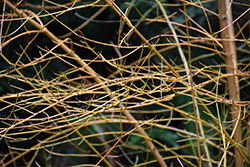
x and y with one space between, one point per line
55 99
96 78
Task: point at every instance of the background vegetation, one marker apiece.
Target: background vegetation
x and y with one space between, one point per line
124 83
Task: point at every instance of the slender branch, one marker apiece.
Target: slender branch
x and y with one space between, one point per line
91 72
227 34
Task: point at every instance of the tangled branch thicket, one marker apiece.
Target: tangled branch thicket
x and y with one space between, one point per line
113 83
